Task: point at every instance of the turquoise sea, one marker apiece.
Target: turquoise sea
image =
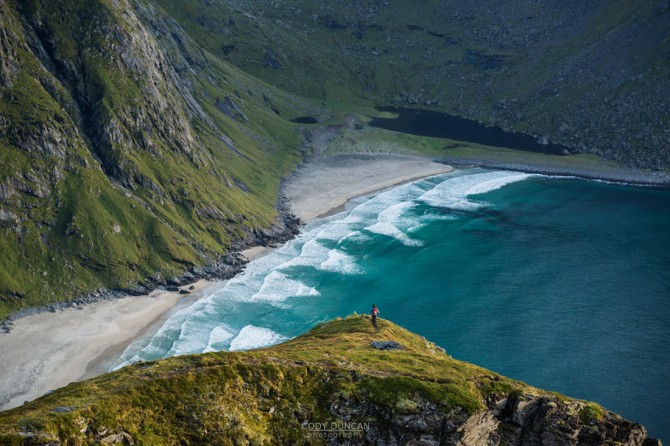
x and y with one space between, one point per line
558 282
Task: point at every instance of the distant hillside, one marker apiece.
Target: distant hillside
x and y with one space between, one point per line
329 386
590 75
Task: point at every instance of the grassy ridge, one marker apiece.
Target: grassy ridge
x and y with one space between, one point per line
329 375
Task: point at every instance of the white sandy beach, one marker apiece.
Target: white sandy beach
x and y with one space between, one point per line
49 350
324 185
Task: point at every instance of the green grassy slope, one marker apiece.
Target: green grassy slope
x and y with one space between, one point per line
330 374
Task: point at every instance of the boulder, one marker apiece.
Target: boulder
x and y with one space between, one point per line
387 345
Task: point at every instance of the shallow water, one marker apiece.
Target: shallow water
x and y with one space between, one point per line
558 282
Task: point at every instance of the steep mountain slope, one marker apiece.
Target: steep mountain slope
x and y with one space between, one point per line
127 153
590 75
329 386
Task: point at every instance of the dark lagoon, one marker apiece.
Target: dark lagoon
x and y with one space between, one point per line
443 125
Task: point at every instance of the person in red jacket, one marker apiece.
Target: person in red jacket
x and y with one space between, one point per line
374 313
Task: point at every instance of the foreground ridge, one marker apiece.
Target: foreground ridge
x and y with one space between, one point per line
328 386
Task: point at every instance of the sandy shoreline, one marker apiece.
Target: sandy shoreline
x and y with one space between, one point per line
323 186
47 351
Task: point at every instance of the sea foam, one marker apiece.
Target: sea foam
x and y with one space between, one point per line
253 337
219 336
277 286
454 192
392 220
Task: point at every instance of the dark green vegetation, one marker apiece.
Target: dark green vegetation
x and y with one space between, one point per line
331 374
139 140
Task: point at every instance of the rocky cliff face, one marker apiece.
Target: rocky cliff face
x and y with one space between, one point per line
591 76
516 419
329 386
116 165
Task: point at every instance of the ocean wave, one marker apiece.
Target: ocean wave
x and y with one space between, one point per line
194 334
392 220
454 192
277 286
497 183
219 335
336 230
312 253
354 237
254 337
339 262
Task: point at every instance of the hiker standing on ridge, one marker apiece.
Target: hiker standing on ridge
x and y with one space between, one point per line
374 313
